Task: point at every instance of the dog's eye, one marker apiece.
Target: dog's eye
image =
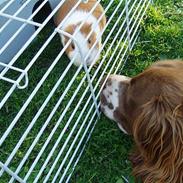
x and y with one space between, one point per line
72 46
89 41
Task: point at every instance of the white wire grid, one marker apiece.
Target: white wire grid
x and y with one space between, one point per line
43 135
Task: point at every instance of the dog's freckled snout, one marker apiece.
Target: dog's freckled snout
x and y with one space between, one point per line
110 105
103 99
102 109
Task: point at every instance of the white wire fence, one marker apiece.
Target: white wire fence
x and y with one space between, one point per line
48 106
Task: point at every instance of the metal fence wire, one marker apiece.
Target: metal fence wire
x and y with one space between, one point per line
48 106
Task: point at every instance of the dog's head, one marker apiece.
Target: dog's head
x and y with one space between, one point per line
150 107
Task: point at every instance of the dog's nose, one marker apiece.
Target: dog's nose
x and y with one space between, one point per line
88 61
103 80
102 97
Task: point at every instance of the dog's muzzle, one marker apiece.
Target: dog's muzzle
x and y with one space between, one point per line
110 96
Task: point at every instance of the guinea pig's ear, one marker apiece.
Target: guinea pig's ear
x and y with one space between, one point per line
89 26
158 133
71 28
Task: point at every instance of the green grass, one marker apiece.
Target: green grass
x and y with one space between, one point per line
105 159
19 97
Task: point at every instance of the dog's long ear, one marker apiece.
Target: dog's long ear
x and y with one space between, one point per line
158 133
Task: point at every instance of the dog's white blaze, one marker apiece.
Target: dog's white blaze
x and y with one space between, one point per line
111 97
111 93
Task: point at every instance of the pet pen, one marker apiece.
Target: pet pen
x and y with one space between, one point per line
48 106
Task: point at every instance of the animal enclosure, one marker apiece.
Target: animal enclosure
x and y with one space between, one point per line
48 106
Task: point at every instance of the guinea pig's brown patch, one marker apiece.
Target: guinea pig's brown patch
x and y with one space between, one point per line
70 29
86 30
87 7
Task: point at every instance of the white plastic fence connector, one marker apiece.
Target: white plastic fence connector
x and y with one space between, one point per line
84 65
19 19
16 82
10 172
127 22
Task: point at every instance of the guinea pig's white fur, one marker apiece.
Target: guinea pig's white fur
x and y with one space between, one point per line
74 20
76 17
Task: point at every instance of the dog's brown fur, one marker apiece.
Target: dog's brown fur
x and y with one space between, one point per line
151 109
158 123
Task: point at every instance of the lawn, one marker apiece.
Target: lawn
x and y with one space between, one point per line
105 159
54 116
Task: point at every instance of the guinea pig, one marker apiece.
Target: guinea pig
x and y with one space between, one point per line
71 24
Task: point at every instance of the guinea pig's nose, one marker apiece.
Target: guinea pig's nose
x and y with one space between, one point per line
88 61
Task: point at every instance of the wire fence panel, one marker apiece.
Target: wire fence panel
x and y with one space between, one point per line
48 106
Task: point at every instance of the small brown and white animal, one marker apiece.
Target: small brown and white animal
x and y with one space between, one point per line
71 24
149 106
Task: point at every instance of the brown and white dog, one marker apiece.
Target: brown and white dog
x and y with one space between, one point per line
81 14
149 106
